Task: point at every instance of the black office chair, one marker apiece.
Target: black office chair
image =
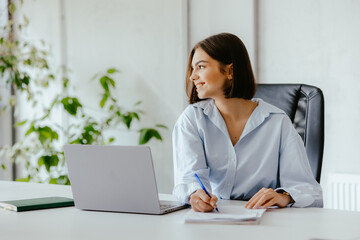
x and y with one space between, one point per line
304 105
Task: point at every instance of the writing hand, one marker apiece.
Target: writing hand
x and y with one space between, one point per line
267 197
201 202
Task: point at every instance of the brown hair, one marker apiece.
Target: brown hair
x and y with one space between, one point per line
227 49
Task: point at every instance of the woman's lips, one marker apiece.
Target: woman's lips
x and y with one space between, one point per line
199 85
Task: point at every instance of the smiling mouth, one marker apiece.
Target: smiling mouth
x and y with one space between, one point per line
199 85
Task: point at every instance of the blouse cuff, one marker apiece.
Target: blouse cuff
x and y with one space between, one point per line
280 190
300 199
182 192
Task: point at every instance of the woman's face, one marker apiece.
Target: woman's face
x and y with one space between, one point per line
207 77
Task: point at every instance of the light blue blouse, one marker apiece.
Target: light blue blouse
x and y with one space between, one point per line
270 153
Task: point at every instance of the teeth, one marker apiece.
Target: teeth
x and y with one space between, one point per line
199 85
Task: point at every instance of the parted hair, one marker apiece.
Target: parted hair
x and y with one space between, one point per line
227 49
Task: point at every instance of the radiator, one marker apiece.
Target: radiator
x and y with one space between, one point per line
344 191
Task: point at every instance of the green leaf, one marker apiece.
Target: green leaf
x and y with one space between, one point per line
63 180
161 126
3 166
31 129
26 20
89 134
112 70
112 82
76 141
127 119
135 115
2 69
53 181
104 83
23 179
46 134
104 99
65 82
12 8
27 61
25 80
111 140
147 133
20 123
71 105
48 161
138 103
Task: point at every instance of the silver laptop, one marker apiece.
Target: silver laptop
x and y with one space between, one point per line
115 178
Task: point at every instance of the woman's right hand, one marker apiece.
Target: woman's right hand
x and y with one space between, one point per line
201 202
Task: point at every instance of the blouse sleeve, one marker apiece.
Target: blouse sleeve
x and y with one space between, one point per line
295 173
189 158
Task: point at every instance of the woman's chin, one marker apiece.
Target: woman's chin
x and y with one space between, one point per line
201 96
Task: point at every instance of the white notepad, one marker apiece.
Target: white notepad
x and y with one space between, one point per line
226 214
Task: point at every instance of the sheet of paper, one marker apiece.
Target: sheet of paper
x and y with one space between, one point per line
226 214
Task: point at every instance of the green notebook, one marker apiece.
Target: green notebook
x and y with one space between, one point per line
36 203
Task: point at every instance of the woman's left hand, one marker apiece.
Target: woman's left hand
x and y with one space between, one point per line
267 197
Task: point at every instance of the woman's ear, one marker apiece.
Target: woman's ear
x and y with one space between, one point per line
230 72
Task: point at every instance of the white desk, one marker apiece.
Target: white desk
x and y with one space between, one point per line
71 223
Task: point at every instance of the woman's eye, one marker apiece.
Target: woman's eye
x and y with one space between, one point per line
201 66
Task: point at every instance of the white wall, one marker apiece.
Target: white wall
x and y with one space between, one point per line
208 17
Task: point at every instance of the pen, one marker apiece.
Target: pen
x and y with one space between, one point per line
203 187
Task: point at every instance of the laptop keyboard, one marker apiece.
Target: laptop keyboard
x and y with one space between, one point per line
166 206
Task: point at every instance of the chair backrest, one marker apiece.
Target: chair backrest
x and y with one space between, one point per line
304 105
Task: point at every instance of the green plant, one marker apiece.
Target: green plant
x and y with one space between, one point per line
24 67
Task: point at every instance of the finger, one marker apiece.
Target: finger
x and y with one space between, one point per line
213 200
192 202
264 199
195 196
194 207
254 200
250 203
200 206
193 199
204 206
202 194
265 196
202 201
261 198
270 203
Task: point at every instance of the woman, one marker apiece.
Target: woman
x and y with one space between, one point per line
241 148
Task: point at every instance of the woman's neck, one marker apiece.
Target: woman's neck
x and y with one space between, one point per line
235 108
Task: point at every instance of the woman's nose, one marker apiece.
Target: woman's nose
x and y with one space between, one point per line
193 76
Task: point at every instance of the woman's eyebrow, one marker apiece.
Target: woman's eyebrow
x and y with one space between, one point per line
197 63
